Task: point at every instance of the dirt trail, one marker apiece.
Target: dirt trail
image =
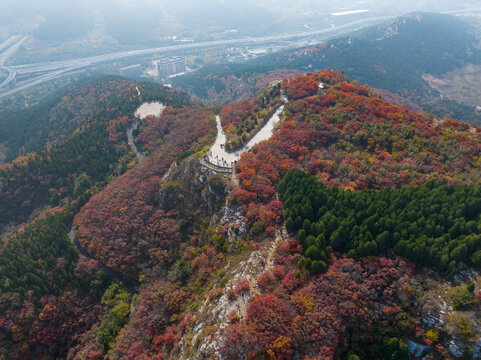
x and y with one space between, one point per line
130 141
235 179
130 285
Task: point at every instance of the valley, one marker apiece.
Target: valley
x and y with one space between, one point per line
55 69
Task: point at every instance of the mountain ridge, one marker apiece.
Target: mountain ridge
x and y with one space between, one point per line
396 56
265 251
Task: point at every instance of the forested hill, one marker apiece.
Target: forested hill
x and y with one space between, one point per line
49 293
51 121
229 83
393 56
86 134
377 180
350 233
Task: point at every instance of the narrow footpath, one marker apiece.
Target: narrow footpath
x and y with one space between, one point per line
130 285
145 110
130 141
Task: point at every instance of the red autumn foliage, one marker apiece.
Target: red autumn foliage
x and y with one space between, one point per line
242 286
361 142
241 120
122 226
311 317
231 294
265 279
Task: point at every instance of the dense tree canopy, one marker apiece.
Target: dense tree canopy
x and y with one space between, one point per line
53 120
242 120
432 224
376 186
96 150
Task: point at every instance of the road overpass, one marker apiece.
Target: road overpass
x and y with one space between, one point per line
11 50
12 45
49 70
95 60
10 78
9 41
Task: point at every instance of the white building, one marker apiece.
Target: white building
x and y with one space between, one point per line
167 67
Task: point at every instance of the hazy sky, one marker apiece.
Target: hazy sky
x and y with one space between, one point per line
127 20
19 8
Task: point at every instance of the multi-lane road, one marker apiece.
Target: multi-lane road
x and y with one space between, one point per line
9 79
42 72
12 49
9 41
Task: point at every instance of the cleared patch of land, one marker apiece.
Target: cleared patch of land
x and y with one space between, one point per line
461 85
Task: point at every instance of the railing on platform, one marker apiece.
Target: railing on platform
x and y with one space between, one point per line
219 163
218 166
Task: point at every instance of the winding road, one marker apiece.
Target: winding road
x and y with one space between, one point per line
130 141
62 68
156 109
144 111
220 157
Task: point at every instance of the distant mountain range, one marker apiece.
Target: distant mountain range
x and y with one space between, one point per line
424 61
394 55
353 232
